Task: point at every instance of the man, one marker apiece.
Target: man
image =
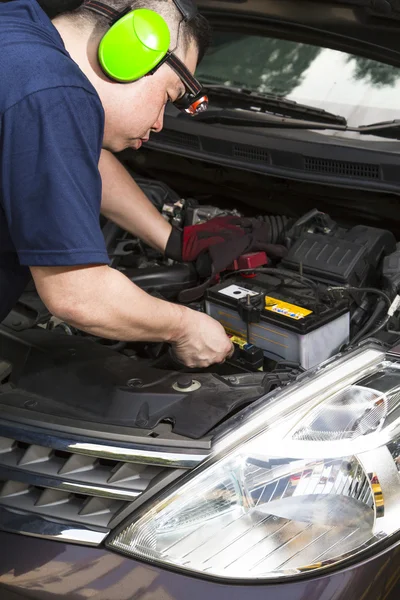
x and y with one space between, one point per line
62 119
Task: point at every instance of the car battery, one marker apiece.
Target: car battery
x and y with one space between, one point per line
292 324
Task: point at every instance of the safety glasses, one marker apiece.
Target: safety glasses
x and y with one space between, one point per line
195 100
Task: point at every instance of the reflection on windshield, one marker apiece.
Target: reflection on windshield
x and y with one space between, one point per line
375 73
362 90
260 64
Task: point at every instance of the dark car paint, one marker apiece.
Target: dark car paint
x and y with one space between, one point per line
45 570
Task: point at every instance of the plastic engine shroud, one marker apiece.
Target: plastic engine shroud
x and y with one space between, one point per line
73 378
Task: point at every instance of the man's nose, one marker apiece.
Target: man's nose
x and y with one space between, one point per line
159 124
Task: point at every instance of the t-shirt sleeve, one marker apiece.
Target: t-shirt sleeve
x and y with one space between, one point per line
50 143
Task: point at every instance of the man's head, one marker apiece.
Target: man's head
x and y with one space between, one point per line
135 109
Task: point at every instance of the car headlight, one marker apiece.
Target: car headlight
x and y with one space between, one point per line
309 479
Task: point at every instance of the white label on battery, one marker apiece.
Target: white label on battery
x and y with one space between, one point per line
235 291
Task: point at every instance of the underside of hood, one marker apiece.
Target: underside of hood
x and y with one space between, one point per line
366 27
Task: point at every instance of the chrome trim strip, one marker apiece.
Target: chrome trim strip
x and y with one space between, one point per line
37 526
134 453
31 478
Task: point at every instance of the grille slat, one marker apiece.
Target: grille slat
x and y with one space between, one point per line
51 497
125 472
6 444
13 488
34 454
97 506
77 463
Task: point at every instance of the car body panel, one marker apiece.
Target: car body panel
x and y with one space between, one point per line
48 570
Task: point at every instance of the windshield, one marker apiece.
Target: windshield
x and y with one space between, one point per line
361 90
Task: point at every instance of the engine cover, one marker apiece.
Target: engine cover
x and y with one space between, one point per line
54 376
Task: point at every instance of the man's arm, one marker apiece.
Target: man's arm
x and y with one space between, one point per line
124 203
105 303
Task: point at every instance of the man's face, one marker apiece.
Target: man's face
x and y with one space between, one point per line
135 110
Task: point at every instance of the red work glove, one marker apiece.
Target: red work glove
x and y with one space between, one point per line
186 245
232 236
214 246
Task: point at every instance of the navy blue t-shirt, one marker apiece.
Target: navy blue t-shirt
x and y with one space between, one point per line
51 131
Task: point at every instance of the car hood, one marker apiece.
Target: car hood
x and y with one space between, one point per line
367 27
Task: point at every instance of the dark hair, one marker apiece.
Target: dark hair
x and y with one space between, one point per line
197 30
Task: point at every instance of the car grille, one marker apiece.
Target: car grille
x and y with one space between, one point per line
83 488
48 492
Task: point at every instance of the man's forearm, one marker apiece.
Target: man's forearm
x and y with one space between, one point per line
124 203
105 303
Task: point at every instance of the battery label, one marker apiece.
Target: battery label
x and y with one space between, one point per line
235 291
284 308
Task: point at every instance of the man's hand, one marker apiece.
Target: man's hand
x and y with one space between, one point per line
225 238
213 246
202 341
105 303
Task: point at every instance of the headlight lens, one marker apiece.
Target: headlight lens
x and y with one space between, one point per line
313 480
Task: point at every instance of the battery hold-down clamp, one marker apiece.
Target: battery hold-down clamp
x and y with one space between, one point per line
250 309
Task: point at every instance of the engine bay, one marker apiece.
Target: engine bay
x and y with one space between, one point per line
336 287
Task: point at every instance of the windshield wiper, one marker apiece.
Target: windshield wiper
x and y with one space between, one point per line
233 97
245 118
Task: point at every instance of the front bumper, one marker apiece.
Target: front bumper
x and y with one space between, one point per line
38 569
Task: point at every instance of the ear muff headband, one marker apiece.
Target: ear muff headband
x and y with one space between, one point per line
137 44
134 45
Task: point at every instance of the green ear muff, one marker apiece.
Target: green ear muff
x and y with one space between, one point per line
134 45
